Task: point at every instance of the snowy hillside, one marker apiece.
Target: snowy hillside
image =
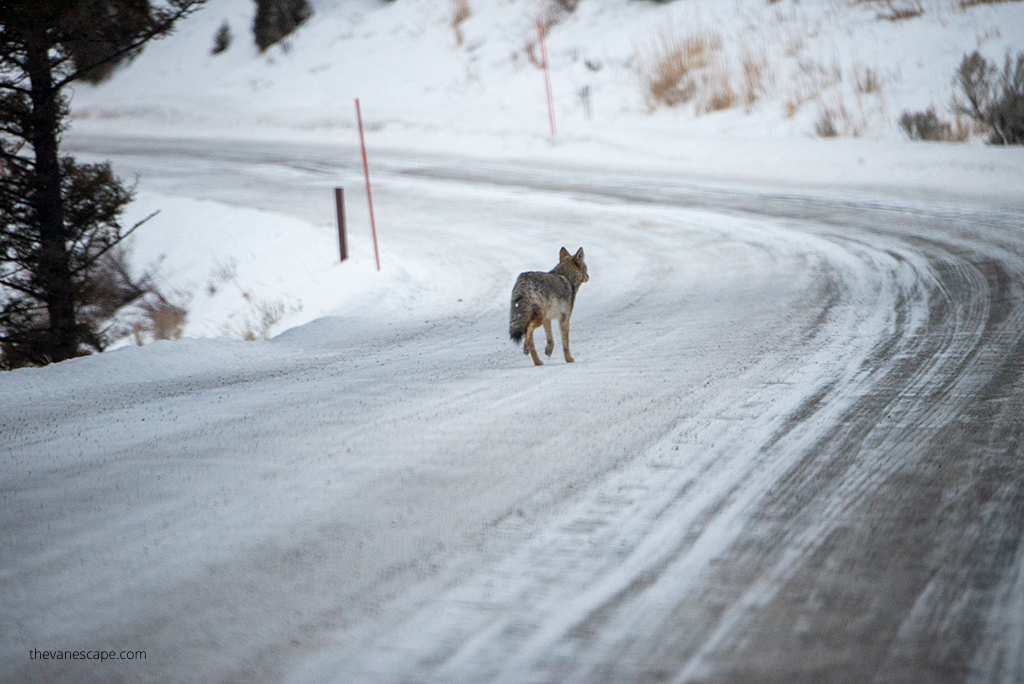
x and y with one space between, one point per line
424 81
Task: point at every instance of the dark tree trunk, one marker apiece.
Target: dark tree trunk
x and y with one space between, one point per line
54 260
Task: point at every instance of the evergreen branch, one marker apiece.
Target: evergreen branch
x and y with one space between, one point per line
162 27
87 263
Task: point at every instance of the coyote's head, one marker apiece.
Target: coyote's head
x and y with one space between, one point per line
575 262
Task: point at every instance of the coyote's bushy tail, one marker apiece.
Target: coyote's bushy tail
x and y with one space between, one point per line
518 317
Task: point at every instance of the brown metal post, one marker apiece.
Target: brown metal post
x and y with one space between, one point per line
339 203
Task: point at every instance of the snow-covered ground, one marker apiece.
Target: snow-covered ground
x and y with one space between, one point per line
788 449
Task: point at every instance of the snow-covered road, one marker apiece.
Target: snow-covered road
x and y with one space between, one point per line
790 448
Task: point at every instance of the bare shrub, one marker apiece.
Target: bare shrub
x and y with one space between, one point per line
114 285
925 125
125 304
973 78
992 98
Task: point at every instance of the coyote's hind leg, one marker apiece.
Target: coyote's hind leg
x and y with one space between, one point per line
528 345
550 346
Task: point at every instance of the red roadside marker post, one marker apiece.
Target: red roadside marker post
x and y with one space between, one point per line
547 77
366 171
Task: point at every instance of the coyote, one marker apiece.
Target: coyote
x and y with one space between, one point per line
539 298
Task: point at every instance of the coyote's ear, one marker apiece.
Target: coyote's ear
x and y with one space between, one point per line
563 255
579 254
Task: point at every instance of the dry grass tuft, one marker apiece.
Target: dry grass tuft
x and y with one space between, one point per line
758 75
716 93
795 43
460 13
165 320
668 70
668 79
792 105
262 316
694 66
965 4
867 80
825 127
811 80
837 120
898 10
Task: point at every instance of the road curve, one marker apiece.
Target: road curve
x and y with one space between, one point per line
800 460
874 536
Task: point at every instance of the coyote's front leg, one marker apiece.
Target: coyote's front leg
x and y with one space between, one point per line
563 326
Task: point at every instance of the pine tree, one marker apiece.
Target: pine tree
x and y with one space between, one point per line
275 19
58 218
